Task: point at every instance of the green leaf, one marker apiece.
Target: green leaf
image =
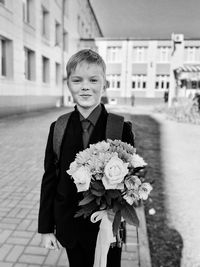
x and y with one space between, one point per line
117 206
129 214
113 193
87 209
116 222
97 188
87 199
108 199
98 193
97 185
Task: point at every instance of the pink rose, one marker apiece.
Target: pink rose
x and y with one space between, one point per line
144 190
115 171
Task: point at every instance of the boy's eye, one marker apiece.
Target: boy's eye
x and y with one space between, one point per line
76 80
93 80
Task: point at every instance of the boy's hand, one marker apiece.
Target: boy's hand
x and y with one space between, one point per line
50 241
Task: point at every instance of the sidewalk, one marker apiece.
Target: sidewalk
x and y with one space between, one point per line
22 141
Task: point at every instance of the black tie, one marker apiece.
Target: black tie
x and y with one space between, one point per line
86 136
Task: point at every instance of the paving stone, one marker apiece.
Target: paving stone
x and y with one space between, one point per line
4 235
20 265
17 241
36 240
6 264
4 250
129 256
26 258
14 254
36 250
24 234
24 224
8 226
127 263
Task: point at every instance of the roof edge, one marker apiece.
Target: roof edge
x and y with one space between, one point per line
92 10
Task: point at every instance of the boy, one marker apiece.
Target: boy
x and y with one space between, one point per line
86 79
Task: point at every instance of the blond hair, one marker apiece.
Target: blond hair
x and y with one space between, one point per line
86 55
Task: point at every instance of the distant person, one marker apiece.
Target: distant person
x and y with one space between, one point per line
196 100
132 100
166 95
86 79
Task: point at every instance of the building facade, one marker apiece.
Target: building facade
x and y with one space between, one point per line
145 68
36 39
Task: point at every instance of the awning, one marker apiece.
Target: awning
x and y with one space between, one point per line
188 69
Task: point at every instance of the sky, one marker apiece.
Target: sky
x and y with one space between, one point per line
148 18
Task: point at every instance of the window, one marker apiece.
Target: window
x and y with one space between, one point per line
65 41
6 57
139 54
58 74
29 64
162 82
192 54
114 81
65 7
3 57
45 70
26 11
114 54
82 29
57 33
45 23
139 82
163 53
78 24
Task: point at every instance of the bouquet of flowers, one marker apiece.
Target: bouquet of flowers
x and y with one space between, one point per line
109 175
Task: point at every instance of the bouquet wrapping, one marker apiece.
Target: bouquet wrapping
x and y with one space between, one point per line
110 175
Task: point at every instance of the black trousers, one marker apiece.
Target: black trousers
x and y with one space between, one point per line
83 256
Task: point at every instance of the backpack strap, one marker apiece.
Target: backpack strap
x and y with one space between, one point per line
114 129
59 130
114 126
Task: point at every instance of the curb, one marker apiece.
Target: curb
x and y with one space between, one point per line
143 243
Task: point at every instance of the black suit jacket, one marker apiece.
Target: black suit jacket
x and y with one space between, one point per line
59 198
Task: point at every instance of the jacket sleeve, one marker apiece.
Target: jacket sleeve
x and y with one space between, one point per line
128 135
48 188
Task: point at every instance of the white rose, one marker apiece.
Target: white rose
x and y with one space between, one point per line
82 178
137 161
115 171
102 146
72 168
144 190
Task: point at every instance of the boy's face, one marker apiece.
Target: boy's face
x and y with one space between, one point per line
86 84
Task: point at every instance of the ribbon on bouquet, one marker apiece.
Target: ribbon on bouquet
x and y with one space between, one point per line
104 239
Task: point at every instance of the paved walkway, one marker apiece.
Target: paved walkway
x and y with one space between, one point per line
22 143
